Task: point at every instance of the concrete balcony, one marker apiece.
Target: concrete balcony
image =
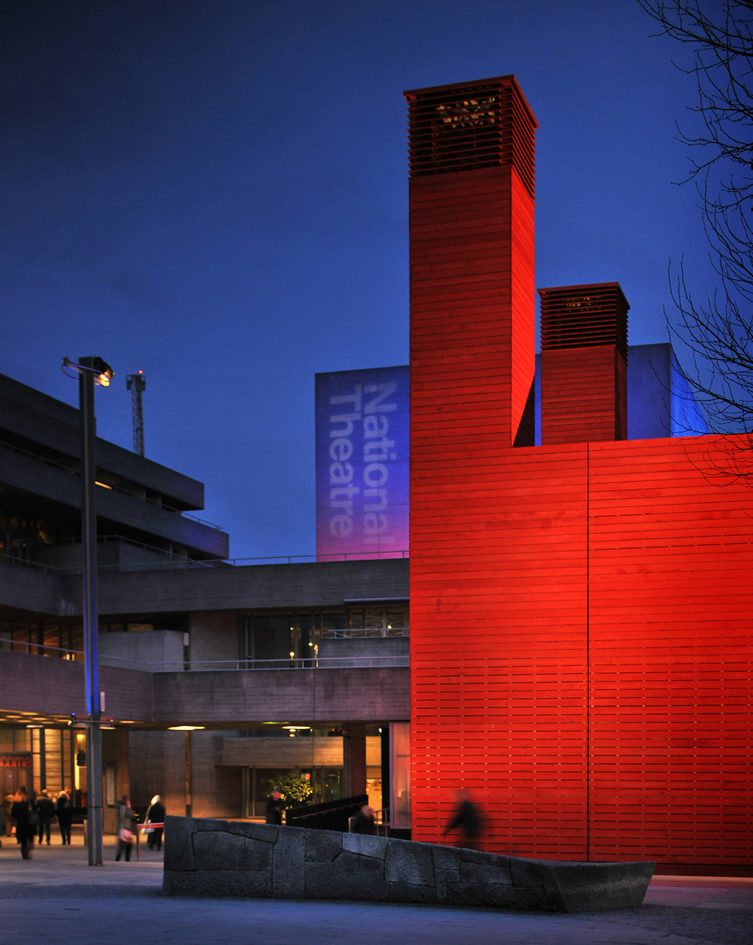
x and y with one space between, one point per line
230 698
118 511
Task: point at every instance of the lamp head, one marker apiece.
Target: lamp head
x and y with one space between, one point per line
102 371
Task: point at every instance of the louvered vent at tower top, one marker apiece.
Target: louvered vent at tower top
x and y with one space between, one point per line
472 125
581 316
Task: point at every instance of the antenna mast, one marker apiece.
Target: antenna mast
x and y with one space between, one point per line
136 384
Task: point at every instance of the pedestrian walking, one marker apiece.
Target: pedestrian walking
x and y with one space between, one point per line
274 808
467 818
126 828
155 814
364 821
25 830
45 809
64 810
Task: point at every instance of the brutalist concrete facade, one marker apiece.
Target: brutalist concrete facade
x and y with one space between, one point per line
165 575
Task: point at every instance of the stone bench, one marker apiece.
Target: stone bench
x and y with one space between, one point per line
217 858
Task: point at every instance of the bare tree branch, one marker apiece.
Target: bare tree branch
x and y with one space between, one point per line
713 338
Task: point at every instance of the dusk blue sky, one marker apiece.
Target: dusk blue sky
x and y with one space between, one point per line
216 193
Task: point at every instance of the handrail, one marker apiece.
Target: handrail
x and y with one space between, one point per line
15 561
361 633
65 651
206 563
235 665
377 661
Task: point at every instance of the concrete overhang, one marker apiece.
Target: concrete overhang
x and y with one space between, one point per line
26 473
36 417
253 587
48 690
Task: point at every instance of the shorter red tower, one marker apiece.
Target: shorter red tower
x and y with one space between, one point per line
583 363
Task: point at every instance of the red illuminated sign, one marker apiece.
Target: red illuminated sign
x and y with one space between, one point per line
15 761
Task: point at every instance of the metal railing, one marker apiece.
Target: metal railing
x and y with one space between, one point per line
40 649
365 661
364 633
179 563
252 665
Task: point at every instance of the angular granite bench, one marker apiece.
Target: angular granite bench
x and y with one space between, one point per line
221 858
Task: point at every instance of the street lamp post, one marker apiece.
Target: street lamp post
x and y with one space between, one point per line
91 371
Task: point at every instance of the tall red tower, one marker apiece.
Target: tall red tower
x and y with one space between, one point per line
471 264
472 371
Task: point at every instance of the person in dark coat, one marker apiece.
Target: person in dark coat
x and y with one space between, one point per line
21 813
126 828
64 809
467 818
274 808
45 812
364 821
7 819
155 814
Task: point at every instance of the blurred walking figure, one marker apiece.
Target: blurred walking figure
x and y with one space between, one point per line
126 828
274 808
7 819
364 821
25 832
155 814
467 818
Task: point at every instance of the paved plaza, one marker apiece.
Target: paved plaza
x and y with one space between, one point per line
57 898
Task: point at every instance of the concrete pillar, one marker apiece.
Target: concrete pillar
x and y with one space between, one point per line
115 759
354 759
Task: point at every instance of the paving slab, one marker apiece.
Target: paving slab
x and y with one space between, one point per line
56 898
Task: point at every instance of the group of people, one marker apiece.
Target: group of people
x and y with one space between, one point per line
30 817
128 825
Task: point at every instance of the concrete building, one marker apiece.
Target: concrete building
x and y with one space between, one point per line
284 665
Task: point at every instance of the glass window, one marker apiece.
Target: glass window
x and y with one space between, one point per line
269 637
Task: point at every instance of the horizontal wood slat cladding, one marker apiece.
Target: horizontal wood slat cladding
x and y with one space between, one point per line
498 644
472 362
462 293
671 653
582 651
581 612
583 395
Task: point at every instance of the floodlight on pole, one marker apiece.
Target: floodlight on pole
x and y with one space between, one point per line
91 371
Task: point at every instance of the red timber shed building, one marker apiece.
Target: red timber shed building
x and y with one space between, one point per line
582 610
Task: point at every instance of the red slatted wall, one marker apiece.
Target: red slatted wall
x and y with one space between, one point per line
581 614
671 631
583 395
462 334
498 650
582 652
